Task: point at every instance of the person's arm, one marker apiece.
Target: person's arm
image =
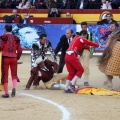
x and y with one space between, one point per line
59 45
53 56
19 49
34 53
57 13
87 42
1 44
91 38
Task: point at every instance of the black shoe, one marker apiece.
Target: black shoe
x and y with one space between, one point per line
13 92
5 96
86 84
68 91
72 87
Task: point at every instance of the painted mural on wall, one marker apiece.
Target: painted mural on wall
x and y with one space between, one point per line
30 33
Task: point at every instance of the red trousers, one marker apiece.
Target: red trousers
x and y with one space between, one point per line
6 63
73 65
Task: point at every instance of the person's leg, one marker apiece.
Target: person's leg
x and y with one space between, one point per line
86 57
60 76
79 71
5 67
61 63
13 67
71 72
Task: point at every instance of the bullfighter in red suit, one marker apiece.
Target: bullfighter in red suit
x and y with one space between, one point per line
73 64
11 52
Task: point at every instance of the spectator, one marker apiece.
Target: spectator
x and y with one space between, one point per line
68 15
82 4
13 4
113 28
21 4
108 20
105 4
40 4
1 3
65 4
72 4
9 19
94 4
56 3
54 12
27 5
5 3
25 19
15 14
115 4
48 3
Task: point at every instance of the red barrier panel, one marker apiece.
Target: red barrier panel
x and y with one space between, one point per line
34 20
16 20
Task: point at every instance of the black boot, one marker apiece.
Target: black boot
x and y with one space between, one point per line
13 92
5 96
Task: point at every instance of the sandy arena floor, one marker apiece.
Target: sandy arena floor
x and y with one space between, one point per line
43 104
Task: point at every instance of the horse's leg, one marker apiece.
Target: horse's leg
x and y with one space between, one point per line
110 84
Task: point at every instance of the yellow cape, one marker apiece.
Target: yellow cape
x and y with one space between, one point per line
97 91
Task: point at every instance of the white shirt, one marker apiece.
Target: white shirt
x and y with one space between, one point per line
81 5
69 40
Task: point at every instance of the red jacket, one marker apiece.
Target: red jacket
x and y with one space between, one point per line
78 44
11 46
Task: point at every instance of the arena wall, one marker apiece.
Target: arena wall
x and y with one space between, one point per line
91 16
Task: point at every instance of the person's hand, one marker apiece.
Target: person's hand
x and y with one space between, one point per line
107 3
57 11
52 10
78 56
91 55
101 40
102 46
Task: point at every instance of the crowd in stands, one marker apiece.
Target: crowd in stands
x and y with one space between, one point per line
60 4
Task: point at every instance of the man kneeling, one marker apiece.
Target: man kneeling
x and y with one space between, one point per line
44 70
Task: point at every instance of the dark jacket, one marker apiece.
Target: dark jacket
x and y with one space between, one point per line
94 4
85 4
54 14
25 21
72 4
104 21
62 45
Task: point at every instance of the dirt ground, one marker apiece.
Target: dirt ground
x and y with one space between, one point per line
43 104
